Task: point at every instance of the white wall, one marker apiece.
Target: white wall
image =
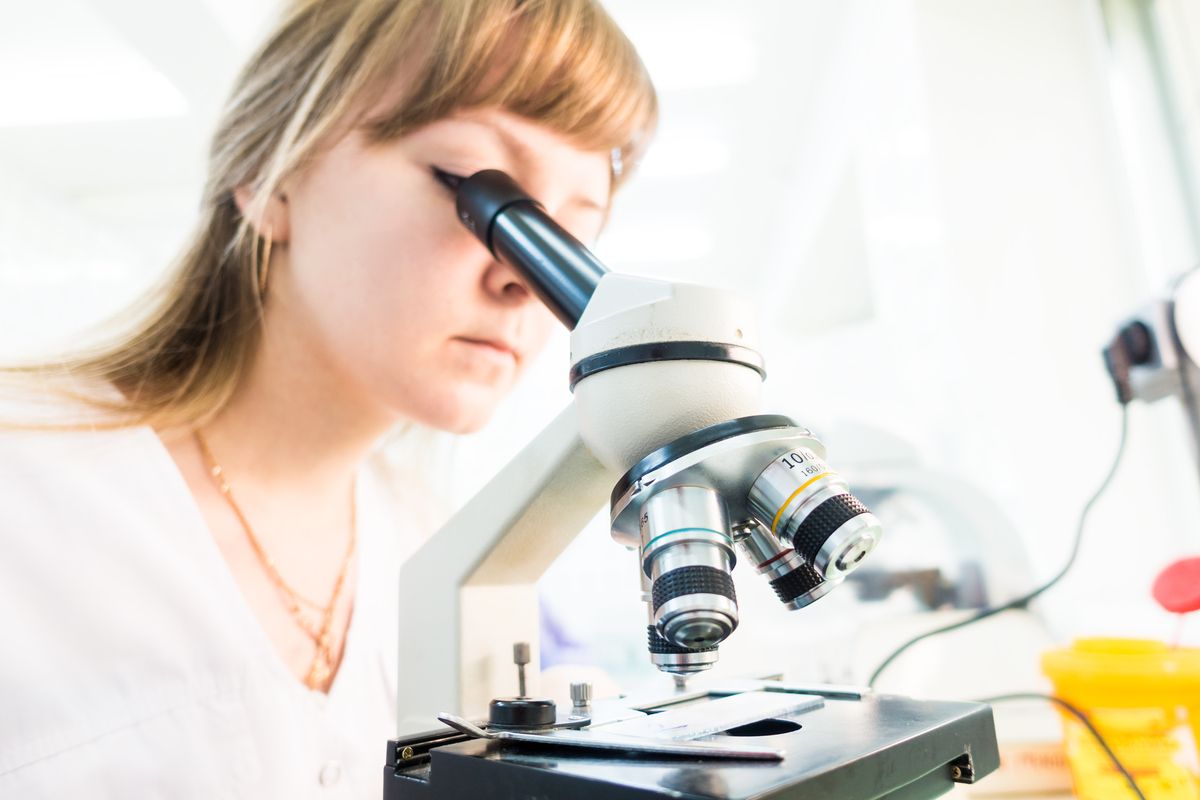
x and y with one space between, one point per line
980 187
933 201
955 242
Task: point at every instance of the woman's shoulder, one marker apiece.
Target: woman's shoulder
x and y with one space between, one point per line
32 403
60 459
106 557
28 441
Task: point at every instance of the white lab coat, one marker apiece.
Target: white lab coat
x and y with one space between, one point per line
131 666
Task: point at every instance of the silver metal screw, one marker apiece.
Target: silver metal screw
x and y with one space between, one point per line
581 697
521 658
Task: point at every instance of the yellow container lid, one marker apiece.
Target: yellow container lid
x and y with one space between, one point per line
1125 673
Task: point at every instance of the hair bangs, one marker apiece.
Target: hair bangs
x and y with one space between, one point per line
562 63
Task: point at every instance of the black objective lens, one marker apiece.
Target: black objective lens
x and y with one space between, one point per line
796 583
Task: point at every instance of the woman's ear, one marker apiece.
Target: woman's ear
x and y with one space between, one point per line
268 216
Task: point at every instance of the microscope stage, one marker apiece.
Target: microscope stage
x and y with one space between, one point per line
873 746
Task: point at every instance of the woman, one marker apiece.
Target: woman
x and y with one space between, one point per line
200 545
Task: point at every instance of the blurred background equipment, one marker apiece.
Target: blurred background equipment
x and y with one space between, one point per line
1156 353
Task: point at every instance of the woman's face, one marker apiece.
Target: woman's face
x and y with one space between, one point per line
393 295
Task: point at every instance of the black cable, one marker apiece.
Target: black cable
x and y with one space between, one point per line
1082 717
1025 599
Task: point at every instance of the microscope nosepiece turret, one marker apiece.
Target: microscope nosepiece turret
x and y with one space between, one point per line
757 486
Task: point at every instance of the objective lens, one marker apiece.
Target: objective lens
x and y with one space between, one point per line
809 507
796 583
687 553
677 660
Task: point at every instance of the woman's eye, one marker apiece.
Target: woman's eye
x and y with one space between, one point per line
448 179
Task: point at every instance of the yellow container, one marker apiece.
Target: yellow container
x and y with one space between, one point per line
1144 698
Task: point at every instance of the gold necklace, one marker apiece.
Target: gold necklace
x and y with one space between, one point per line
321 669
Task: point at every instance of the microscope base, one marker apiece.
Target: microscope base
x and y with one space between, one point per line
853 748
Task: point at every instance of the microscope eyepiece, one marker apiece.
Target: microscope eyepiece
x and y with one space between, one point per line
482 197
515 228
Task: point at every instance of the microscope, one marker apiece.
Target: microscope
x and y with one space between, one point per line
666 425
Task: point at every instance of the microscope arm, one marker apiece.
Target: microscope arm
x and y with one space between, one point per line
480 572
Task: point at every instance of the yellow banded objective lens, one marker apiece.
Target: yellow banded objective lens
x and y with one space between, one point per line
809 508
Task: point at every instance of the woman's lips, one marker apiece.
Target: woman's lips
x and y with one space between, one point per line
490 348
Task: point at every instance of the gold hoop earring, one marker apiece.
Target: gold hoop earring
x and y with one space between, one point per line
264 264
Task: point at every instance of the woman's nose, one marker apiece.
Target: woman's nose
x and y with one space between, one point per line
506 285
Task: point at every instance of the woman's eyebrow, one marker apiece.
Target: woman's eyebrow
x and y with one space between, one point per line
587 203
526 154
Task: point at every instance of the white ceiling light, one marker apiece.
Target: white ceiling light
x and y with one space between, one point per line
61 63
668 241
245 21
678 156
692 46
701 58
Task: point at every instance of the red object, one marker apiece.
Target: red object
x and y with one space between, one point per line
1177 588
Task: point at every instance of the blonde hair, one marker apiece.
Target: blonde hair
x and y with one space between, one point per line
562 63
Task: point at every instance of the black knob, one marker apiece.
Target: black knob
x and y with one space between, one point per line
1139 343
521 712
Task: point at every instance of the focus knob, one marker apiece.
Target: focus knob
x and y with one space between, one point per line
581 695
521 713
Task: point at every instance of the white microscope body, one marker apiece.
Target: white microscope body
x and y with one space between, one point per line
667 389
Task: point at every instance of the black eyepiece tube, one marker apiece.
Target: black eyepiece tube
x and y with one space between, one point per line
514 227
